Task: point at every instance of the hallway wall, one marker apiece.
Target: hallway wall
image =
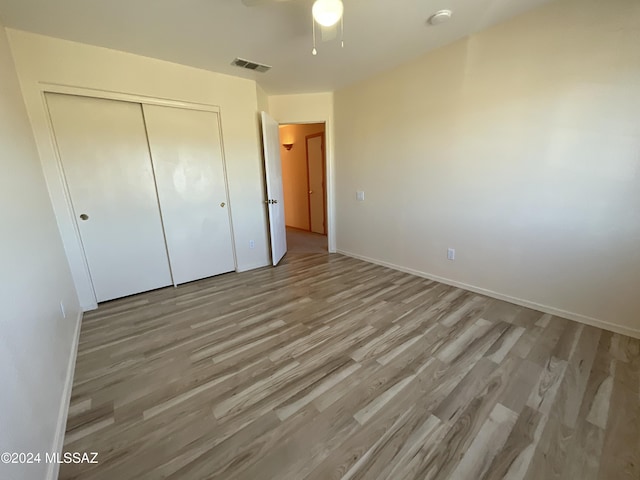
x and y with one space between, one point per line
294 173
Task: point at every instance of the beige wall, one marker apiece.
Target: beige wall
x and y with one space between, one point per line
312 108
262 99
294 173
43 60
36 342
519 147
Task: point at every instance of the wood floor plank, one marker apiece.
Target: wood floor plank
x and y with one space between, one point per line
489 440
328 367
620 457
513 460
585 452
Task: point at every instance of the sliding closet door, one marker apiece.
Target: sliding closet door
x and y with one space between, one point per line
106 162
187 158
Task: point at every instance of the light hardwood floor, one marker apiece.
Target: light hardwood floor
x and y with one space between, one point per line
331 368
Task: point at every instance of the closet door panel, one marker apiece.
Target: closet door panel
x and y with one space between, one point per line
107 167
187 157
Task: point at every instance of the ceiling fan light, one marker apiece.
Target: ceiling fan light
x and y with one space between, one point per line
327 12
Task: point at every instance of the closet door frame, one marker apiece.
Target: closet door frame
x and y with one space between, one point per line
64 210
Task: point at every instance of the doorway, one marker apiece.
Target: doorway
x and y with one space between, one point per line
303 157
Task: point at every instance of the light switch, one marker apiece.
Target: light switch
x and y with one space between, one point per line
360 196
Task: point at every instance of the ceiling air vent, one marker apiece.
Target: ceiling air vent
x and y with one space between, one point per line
249 65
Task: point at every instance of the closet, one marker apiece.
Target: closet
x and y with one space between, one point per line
148 191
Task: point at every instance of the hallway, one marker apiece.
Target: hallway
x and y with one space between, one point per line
302 242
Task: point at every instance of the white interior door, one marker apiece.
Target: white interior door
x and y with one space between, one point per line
275 198
187 157
105 156
315 165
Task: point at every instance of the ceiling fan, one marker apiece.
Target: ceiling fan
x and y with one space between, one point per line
326 13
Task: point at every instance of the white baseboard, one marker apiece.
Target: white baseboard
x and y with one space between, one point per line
89 306
594 322
58 442
246 268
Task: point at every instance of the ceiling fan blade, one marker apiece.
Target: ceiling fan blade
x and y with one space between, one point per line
255 3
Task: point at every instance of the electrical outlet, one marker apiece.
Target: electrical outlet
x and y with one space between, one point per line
451 253
252 244
64 314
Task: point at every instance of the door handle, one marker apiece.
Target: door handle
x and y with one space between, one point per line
84 216
222 204
275 201
270 202
310 192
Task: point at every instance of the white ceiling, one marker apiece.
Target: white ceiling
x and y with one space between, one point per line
209 34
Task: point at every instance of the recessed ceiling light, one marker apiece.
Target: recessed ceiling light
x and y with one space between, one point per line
439 17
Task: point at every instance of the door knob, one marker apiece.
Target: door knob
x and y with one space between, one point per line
310 192
222 204
84 216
